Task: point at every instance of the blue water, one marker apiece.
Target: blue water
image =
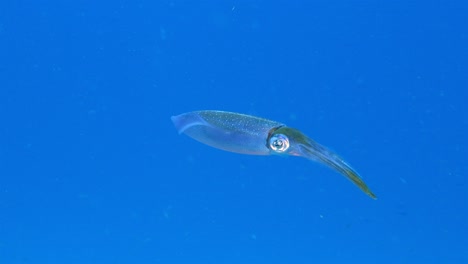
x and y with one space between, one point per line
93 171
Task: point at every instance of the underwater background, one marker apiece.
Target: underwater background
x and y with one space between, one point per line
92 169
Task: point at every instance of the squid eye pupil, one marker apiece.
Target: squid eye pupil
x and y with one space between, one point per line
278 143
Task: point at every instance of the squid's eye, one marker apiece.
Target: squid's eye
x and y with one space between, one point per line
279 143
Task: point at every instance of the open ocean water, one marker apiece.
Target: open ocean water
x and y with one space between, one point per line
92 169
